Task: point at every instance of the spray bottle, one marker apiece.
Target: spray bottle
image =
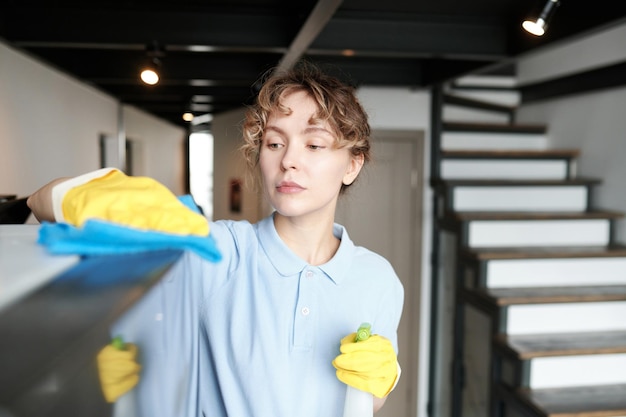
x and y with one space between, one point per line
118 343
359 403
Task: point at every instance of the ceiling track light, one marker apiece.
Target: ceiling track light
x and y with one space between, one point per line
150 71
539 25
188 112
188 116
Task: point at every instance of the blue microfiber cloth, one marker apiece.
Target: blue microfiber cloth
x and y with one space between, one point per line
100 237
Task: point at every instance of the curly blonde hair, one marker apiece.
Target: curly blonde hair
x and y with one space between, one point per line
336 102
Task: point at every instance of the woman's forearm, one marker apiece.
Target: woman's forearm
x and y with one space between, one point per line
378 403
40 202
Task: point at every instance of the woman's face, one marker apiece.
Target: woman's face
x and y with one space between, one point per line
302 169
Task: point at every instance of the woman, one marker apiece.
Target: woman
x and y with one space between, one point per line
261 329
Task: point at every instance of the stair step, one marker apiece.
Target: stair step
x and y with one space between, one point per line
547 266
538 233
501 95
486 81
516 183
524 347
508 164
466 216
522 169
544 295
477 104
576 371
494 128
456 113
468 110
560 360
486 136
538 195
479 229
588 401
615 251
511 154
560 310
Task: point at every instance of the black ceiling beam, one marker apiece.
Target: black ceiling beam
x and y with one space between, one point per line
131 27
111 64
415 36
359 71
187 90
310 30
396 72
183 102
148 98
420 35
436 71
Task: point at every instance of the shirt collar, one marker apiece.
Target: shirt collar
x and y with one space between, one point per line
288 263
338 266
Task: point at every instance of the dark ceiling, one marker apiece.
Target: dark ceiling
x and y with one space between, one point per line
213 52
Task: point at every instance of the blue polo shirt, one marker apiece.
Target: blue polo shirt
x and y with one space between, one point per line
255 334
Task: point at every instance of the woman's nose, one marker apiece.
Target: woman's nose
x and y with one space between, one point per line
290 158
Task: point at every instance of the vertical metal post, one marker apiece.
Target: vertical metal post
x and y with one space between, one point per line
187 168
458 367
436 109
121 138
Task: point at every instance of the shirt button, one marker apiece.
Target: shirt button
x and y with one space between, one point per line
309 274
305 311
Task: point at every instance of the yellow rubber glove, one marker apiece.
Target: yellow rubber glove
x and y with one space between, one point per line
369 365
118 370
138 202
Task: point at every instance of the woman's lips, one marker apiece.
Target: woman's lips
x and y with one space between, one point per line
289 187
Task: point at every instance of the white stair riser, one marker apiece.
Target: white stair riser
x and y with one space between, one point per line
487 81
527 198
454 113
510 273
566 317
571 371
491 140
526 233
504 97
504 169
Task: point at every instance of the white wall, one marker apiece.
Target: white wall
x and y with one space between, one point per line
50 124
592 122
228 165
161 147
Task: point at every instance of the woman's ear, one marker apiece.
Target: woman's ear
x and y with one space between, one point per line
356 163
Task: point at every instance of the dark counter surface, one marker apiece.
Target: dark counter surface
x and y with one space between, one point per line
50 338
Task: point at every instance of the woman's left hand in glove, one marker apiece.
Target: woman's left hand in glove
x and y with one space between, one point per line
369 365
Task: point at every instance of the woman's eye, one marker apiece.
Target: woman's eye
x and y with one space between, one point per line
273 145
316 147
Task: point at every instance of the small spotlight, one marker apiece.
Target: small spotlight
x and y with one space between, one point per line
188 116
149 75
150 72
539 26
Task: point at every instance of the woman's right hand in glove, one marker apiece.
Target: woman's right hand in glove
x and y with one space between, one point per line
118 370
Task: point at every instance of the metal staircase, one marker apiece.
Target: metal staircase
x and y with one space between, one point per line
532 275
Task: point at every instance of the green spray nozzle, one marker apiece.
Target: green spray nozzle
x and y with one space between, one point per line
364 332
118 343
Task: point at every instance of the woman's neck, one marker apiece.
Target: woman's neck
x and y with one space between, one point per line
310 239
